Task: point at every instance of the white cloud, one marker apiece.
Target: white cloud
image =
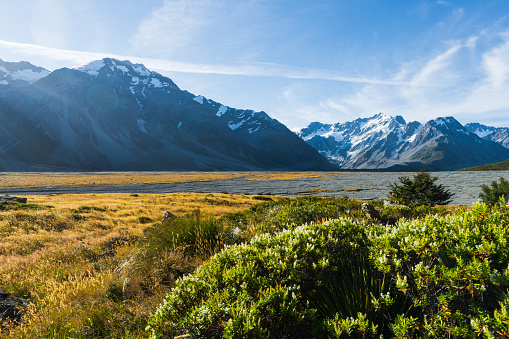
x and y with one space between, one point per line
469 80
172 26
243 69
50 23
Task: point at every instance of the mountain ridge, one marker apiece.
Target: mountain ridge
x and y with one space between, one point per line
116 115
382 142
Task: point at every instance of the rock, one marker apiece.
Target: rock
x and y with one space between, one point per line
167 215
370 212
11 307
388 203
184 336
13 199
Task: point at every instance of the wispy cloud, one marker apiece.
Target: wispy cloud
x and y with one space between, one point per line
50 23
243 69
172 26
469 79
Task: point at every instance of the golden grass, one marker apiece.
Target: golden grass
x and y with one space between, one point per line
48 180
293 175
52 256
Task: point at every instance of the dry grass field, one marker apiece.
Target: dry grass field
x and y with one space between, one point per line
47 180
64 254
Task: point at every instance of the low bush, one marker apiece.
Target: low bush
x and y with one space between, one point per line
274 216
261 289
491 195
455 269
430 277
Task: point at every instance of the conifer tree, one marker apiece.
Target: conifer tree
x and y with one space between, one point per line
492 195
420 190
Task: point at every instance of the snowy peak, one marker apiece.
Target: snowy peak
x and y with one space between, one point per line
500 135
385 142
479 129
448 123
20 72
135 74
108 65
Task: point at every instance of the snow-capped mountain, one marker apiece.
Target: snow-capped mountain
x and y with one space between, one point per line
500 135
115 115
12 73
385 142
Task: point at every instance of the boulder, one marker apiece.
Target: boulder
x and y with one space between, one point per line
167 215
370 212
11 307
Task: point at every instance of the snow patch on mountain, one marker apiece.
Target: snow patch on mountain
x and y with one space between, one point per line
222 110
483 134
233 126
123 68
157 83
199 99
141 70
141 125
91 68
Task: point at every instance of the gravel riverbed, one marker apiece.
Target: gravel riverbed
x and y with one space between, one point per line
466 186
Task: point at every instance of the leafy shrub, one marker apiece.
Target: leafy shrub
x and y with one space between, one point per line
492 195
144 220
455 268
287 213
420 190
394 213
11 205
264 289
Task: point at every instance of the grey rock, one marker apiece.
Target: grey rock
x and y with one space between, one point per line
12 308
370 212
167 215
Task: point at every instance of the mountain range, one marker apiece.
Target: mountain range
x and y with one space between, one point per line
382 142
116 115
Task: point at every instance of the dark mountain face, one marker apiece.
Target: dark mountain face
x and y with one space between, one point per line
384 142
115 115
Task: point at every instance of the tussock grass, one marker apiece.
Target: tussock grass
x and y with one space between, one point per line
80 179
69 255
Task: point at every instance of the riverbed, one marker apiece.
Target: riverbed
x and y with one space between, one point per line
466 186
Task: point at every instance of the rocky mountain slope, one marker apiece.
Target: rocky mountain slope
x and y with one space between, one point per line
115 115
390 143
500 135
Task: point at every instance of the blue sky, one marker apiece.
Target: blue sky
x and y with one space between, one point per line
299 61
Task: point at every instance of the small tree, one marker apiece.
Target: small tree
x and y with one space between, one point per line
421 190
492 195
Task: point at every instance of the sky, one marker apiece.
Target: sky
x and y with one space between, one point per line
300 61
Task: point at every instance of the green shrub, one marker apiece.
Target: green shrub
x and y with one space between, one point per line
492 195
286 213
273 287
420 190
455 268
11 205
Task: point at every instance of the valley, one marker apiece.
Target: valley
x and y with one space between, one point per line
466 186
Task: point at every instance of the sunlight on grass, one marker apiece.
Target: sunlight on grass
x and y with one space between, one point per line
64 252
81 179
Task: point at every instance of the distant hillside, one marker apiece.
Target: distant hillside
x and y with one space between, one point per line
498 166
